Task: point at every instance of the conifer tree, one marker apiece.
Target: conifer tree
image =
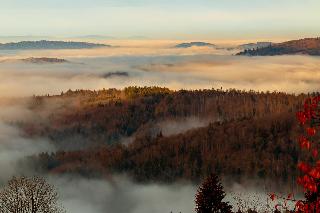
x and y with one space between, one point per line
210 195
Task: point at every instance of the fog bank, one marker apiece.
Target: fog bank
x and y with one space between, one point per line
292 74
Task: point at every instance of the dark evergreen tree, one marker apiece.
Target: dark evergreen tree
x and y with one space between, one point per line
210 195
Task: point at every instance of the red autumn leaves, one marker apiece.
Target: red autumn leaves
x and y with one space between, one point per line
304 143
311 131
309 116
310 180
302 117
311 111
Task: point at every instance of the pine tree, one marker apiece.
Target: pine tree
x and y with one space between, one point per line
210 195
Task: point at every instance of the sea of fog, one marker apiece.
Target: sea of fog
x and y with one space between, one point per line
191 68
195 68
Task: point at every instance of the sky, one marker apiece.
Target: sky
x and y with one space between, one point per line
168 19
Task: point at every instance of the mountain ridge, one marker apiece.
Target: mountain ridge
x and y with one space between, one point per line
45 44
306 46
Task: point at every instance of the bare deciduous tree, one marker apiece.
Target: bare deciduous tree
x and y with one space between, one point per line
29 195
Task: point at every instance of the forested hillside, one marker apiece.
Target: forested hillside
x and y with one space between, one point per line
307 46
104 116
231 148
249 133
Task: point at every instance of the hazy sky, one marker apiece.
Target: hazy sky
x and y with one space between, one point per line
181 19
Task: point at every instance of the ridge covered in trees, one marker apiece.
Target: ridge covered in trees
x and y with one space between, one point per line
106 115
243 126
307 46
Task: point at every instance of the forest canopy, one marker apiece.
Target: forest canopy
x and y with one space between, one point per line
242 126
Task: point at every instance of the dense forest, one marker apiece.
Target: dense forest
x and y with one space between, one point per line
249 134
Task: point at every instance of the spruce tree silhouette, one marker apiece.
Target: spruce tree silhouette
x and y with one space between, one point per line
210 195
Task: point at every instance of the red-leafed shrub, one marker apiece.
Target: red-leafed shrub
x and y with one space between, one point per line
309 119
310 179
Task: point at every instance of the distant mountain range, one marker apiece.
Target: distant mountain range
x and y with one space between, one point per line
44 44
194 44
32 60
307 46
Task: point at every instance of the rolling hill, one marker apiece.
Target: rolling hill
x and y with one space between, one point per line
194 44
307 46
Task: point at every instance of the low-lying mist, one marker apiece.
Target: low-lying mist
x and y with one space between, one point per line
14 147
175 70
116 193
121 195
